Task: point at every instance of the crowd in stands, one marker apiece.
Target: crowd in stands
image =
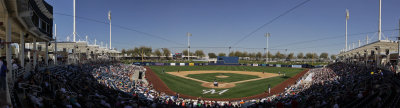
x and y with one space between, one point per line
113 85
338 85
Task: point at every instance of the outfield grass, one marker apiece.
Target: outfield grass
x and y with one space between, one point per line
194 88
232 77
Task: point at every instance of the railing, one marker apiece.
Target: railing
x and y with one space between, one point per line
16 73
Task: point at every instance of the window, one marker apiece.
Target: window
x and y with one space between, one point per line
35 20
43 25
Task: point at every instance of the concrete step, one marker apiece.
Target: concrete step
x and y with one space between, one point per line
3 99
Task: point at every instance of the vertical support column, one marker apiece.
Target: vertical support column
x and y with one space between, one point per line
55 45
47 54
68 56
34 53
387 56
87 53
22 49
378 60
366 57
8 58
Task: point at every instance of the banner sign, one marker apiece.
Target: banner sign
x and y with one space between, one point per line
159 64
296 66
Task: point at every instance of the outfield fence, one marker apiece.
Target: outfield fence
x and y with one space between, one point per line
214 64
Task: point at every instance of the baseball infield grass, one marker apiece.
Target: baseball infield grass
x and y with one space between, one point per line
232 77
194 88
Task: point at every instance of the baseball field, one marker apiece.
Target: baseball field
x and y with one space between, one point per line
233 81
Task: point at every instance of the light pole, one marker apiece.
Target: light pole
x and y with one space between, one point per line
267 35
188 35
74 28
109 18
380 21
347 18
229 51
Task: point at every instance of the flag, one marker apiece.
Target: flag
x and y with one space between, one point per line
109 15
189 34
347 14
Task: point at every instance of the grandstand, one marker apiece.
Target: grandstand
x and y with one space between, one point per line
38 71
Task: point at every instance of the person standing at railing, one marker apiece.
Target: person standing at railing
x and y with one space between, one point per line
14 64
3 72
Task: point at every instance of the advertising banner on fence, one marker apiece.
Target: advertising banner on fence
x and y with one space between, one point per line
278 65
296 66
182 64
191 64
255 64
159 64
172 64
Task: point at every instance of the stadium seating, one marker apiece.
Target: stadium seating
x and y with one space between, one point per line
110 85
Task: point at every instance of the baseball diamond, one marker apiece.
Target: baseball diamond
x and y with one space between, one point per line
238 82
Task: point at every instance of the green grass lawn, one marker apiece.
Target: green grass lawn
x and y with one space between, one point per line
194 88
232 77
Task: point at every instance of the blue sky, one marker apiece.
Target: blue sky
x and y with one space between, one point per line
221 23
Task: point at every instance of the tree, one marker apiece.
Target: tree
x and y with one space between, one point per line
290 56
138 51
147 51
324 55
252 55
123 51
185 52
245 54
231 54
221 54
258 55
315 55
279 55
270 55
333 57
166 52
309 55
300 55
212 55
199 53
238 54
157 53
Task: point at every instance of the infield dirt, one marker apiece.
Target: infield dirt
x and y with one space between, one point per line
184 74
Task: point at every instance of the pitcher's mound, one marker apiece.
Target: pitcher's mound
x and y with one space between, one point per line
220 85
222 76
